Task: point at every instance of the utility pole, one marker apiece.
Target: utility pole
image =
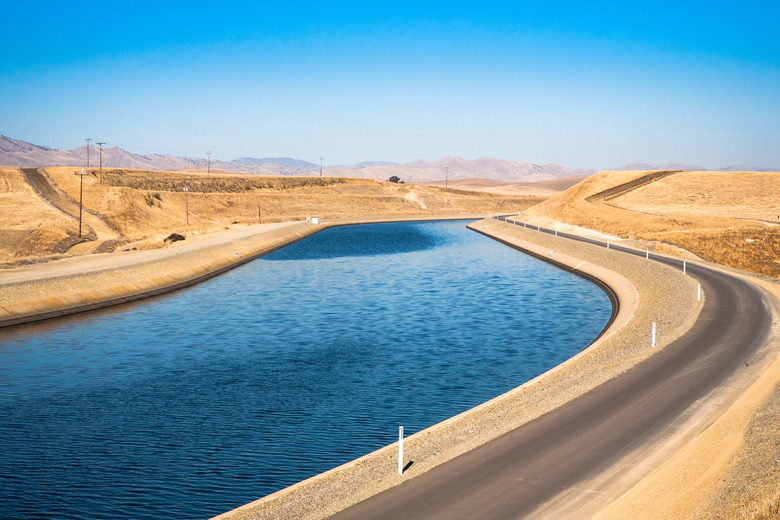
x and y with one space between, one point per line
88 140
320 167
101 161
81 195
187 203
209 162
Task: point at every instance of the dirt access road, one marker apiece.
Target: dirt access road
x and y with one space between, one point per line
94 228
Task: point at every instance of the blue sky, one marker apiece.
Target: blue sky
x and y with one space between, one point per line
583 84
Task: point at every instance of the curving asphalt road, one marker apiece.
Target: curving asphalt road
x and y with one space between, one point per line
517 473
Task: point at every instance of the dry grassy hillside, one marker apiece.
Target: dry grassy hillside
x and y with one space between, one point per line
28 223
732 218
137 208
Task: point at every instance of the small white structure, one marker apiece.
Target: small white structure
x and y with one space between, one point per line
400 450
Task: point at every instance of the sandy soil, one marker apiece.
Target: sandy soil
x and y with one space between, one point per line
724 217
126 209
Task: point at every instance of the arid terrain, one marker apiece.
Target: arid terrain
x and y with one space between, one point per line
138 208
731 218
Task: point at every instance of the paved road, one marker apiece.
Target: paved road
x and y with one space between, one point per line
515 474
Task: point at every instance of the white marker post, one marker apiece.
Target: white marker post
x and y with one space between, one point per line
400 450
556 232
653 334
698 293
647 254
607 244
683 266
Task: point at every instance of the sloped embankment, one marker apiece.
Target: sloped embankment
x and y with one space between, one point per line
144 207
725 217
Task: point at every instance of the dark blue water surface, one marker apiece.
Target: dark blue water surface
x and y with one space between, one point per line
188 405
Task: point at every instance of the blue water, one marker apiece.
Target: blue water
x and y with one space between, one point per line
188 405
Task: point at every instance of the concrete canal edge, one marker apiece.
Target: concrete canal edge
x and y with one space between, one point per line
164 271
334 490
198 268
327 493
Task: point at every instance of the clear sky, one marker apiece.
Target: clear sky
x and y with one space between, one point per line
583 84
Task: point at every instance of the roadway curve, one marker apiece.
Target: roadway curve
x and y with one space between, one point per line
527 468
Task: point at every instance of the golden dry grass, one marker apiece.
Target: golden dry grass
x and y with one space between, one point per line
768 509
216 201
732 218
27 223
738 195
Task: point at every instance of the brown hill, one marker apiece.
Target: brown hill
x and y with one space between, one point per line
14 152
457 168
139 208
726 217
19 153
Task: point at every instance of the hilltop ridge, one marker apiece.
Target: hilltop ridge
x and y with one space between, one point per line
15 153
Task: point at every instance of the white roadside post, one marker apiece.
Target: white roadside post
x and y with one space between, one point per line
683 266
400 450
647 254
653 334
698 293
607 244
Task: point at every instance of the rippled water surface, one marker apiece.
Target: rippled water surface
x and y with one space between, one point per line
188 405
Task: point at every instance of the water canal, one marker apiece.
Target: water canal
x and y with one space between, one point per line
191 404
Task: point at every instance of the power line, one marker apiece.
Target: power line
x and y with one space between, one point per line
101 161
87 140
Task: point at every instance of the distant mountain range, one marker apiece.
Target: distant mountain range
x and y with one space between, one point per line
14 152
455 168
278 161
692 167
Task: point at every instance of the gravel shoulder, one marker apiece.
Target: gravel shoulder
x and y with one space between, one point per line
648 292
732 468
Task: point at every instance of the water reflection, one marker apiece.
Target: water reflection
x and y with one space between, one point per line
190 405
